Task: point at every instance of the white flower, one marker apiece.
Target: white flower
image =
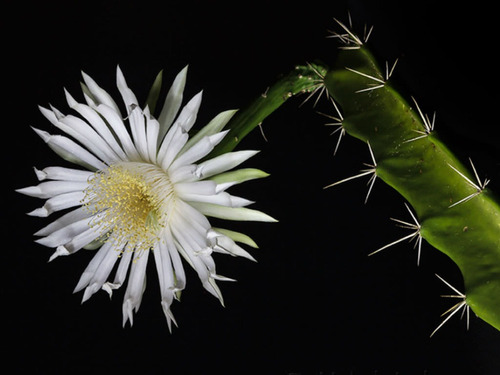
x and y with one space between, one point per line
145 190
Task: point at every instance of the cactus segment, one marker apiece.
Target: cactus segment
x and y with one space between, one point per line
456 213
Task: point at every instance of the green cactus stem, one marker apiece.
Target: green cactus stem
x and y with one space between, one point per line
456 213
305 79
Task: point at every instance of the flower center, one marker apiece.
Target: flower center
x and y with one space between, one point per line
129 202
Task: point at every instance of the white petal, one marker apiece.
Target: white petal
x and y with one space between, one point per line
127 95
87 136
186 173
189 249
99 95
223 199
196 187
230 213
58 203
96 121
64 220
61 173
226 244
180 276
227 179
60 251
223 163
235 236
121 272
189 113
177 136
214 126
173 142
135 286
193 216
115 122
101 273
52 188
138 128
172 103
84 238
64 234
152 130
70 151
82 132
166 278
92 267
198 150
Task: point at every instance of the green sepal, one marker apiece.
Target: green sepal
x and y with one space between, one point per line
239 175
237 237
154 93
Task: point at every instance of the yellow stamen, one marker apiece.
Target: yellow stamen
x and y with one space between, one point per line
128 200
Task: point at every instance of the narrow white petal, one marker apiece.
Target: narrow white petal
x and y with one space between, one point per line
176 137
70 151
166 278
214 126
223 199
64 174
63 221
64 234
168 314
50 189
60 251
58 203
82 132
189 113
172 103
224 163
138 127
198 150
186 173
196 187
96 121
99 95
87 136
227 245
193 216
115 122
238 176
173 142
84 238
135 286
236 236
211 286
92 267
121 272
127 95
230 213
178 269
101 273
152 130
189 249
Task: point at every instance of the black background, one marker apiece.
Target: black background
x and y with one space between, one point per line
314 303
